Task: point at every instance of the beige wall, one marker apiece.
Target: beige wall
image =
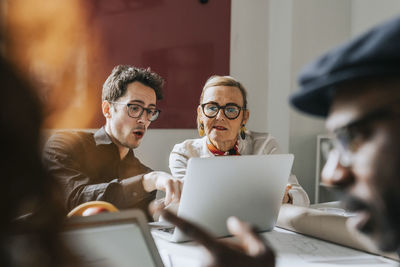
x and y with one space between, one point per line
158 143
310 27
366 13
249 56
317 26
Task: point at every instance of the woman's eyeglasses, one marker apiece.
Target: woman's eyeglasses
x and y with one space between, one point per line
231 110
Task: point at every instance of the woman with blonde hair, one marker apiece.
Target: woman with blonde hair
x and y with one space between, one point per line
221 118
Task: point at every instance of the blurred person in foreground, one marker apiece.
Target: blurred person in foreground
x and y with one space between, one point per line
221 118
102 165
356 87
28 191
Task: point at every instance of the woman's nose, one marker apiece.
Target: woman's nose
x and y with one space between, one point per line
334 173
220 114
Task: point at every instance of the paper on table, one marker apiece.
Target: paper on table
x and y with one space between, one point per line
297 250
171 260
324 225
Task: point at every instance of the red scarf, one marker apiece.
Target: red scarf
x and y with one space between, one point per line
231 152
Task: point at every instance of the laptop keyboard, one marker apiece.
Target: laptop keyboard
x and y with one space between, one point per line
169 230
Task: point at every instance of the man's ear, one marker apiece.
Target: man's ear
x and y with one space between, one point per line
106 108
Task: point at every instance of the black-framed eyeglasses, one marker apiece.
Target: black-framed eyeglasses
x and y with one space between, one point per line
349 138
136 111
231 110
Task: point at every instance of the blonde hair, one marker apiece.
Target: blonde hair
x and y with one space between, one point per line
217 80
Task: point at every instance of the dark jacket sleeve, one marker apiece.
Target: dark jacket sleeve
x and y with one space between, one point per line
64 155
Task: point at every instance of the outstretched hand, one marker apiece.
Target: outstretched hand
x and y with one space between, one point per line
165 182
251 250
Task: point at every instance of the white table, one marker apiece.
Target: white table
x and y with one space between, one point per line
292 249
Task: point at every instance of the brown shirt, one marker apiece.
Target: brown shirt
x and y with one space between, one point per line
88 166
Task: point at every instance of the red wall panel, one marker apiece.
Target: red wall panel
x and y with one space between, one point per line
185 41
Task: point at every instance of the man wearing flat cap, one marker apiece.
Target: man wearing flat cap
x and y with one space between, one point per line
356 87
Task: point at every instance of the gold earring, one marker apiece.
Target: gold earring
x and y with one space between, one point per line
243 132
200 129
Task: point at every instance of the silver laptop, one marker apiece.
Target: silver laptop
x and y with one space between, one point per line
248 187
119 239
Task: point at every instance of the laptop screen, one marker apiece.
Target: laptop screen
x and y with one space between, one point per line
112 244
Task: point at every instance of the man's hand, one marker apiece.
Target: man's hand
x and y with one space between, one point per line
251 250
165 182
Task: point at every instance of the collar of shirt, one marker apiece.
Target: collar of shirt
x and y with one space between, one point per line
217 152
101 137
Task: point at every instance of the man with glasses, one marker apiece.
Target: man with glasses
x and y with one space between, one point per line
356 87
102 165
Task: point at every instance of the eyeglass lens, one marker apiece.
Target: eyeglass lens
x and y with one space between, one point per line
335 145
135 111
230 111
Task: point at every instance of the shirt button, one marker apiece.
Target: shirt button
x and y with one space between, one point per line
134 194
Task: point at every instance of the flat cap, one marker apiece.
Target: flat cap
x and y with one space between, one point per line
372 54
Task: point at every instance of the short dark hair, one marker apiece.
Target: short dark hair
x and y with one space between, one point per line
122 75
